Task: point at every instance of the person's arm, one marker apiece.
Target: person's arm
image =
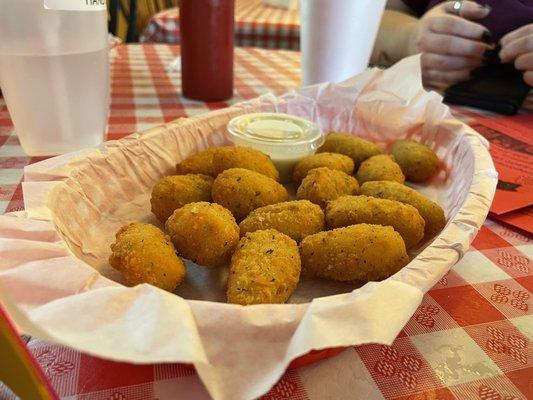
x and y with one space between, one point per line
398 5
392 42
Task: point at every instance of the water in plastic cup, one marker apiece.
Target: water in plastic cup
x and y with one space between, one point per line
54 75
337 37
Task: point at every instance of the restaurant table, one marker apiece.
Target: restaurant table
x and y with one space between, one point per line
255 25
469 339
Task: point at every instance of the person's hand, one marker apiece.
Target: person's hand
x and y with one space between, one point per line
451 45
517 47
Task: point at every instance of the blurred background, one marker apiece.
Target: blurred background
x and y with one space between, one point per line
129 18
258 23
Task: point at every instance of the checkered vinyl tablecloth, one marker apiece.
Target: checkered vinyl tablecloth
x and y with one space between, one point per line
255 25
469 339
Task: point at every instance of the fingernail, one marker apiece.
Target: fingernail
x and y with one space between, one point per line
487 7
487 37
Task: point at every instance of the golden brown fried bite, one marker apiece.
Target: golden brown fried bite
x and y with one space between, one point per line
242 190
296 219
324 184
380 168
432 213
356 148
215 160
358 252
264 269
144 254
330 160
351 210
204 233
244 157
173 192
199 163
418 162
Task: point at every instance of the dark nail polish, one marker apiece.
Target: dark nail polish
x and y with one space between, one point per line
487 37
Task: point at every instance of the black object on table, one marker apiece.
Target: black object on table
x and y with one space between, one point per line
494 87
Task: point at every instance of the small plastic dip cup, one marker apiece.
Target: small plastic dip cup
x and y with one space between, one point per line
285 138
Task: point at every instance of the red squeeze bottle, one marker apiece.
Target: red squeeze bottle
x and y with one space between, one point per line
206 30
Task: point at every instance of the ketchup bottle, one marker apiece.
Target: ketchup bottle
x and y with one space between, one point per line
206 30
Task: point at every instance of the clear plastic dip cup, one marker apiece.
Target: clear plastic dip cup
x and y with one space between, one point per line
285 138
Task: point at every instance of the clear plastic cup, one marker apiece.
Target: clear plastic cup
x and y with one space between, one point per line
337 37
54 75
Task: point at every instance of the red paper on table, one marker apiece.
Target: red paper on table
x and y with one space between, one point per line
522 218
511 148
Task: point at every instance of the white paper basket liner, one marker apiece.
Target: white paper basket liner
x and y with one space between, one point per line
53 256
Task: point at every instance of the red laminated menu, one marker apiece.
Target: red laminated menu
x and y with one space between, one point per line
511 148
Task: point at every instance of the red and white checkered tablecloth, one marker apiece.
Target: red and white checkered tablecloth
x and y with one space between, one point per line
255 25
471 338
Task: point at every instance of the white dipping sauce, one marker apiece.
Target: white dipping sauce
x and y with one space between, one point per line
285 138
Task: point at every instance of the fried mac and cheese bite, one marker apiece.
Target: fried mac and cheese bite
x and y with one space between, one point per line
418 162
204 233
199 163
244 157
242 191
356 148
330 160
361 252
380 168
173 192
144 254
216 160
264 269
296 219
352 210
432 213
324 184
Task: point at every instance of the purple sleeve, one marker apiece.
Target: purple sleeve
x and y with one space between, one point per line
506 15
418 6
421 6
